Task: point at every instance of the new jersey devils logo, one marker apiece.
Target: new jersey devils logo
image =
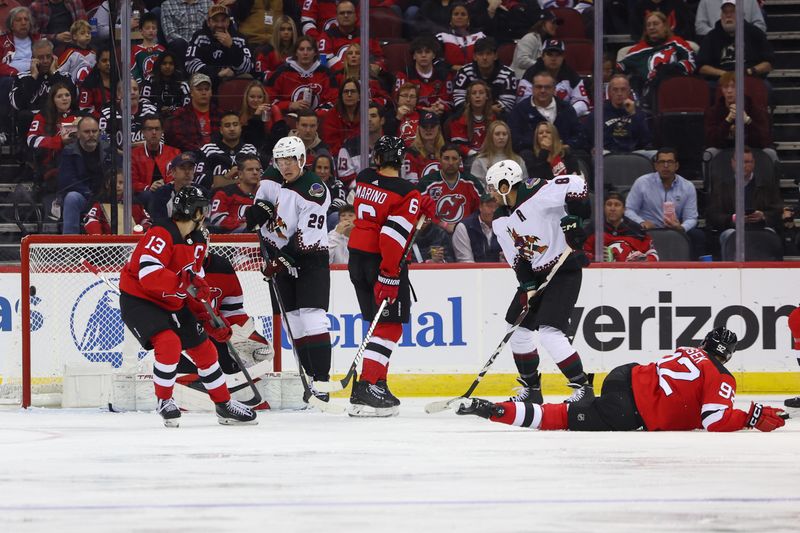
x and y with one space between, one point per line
450 208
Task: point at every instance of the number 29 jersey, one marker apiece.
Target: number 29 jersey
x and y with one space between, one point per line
387 208
686 390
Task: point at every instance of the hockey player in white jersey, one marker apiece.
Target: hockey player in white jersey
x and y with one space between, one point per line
291 207
536 221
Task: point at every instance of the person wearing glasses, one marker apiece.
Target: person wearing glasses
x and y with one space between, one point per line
664 199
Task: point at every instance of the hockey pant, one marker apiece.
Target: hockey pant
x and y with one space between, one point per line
555 343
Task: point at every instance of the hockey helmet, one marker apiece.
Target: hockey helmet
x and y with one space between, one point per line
290 147
389 151
721 343
507 171
187 201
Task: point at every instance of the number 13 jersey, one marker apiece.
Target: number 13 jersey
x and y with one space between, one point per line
686 390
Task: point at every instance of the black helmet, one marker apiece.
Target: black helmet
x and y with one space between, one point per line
389 151
187 201
721 343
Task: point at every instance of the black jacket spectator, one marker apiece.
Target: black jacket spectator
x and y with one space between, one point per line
717 49
205 54
502 80
482 250
524 117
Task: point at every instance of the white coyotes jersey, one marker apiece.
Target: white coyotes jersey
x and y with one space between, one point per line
301 213
532 232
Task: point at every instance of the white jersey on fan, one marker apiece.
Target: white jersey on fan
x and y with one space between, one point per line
301 213
532 231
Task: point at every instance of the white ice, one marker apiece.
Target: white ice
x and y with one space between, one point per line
88 470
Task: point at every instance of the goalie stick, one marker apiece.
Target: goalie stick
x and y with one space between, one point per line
441 405
256 399
335 386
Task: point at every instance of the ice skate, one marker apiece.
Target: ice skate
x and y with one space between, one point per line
324 396
530 390
235 413
169 412
479 407
794 403
368 400
581 392
394 399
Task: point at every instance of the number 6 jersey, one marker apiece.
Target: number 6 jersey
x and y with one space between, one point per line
301 213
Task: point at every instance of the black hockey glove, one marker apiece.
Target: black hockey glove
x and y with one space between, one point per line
573 231
279 263
258 214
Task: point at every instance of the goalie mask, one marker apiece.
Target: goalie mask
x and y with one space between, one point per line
290 147
721 343
389 151
508 173
186 203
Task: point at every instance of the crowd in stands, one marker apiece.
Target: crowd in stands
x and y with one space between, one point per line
217 83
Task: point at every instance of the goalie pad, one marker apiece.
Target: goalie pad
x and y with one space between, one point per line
250 344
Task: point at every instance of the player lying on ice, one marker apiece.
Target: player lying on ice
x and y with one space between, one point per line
690 389
157 309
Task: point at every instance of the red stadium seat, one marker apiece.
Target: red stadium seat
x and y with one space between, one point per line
397 55
231 94
385 24
573 26
505 53
579 55
682 101
683 93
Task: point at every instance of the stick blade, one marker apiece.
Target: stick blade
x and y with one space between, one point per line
438 407
329 386
325 407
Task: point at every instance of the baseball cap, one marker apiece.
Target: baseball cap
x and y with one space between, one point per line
217 9
198 78
549 15
185 158
724 2
556 45
486 198
485 44
428 119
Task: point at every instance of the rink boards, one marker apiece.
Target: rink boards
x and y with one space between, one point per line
622 315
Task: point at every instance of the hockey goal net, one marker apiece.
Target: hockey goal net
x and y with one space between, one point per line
70 316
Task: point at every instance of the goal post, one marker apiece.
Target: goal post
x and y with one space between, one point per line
71 318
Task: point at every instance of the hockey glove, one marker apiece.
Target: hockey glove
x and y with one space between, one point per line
281 262
187 278
573 231
525 288
428 207
386 288
260 213
765 418
220 334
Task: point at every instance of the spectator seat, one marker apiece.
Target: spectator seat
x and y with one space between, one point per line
671 245
621 170
681 103
231 93
579 54
573 26
385 24
505 53
759 245
398 56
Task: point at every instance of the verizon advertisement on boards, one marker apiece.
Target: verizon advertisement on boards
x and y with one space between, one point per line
622 315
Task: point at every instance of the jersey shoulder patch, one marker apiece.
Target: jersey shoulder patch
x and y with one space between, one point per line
310 187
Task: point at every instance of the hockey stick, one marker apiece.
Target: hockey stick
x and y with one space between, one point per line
96 271
335 386
441 405
326 407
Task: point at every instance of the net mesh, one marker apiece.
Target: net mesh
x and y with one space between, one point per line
75 316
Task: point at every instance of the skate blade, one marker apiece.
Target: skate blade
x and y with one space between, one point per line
172 422
232 422
365 411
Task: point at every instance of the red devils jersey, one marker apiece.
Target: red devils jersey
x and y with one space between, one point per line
686 390
228 207
407 129
376 92
627 242
290 82
416 165
387 208
267 60
143 59
334 43
468 144
226 292
456 202
38 138
92 99
457 49
161 254
436 88
317 15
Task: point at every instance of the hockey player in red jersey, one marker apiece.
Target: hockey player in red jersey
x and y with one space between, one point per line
794 326
387 208
689 389
157 309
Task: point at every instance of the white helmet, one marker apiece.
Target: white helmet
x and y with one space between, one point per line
506 170
290 147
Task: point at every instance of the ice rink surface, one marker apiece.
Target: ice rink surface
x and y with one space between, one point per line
89 470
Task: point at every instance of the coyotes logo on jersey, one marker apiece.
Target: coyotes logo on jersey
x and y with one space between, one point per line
278 226
526 244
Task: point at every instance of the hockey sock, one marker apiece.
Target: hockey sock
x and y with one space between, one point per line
564 355
527 363
167 347
205 357
521 414
317 351
572 368
378 351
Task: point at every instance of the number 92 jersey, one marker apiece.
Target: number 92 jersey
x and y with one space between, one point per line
387 208
686 390
301 209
